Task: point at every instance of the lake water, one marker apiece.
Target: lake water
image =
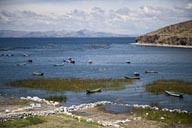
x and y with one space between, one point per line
109 56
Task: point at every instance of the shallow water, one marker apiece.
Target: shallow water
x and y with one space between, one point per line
109 56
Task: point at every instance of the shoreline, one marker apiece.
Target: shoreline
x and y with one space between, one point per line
160 45
78 112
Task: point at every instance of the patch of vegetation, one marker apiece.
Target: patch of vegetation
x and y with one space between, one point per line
70 84
160 86
164 116
21 122
57 98
81 119
67 121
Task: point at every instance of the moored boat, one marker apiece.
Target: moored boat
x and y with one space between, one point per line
136 74
30 61
21 64
26 55
90 61
69 60
171 93
132 77
38 73
94 90
151 72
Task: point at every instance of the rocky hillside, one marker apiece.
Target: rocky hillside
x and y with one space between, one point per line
177 34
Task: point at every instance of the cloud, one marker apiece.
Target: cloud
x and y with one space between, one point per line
189 6
121 20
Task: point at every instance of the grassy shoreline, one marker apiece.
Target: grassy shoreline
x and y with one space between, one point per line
160 86
70 84
171 118
22 122
58 120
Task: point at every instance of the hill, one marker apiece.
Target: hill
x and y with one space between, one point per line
80 33
177 34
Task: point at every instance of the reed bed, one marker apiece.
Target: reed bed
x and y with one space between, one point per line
160 86
70 84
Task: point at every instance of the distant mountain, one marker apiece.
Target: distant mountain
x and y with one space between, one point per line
80 33
177 34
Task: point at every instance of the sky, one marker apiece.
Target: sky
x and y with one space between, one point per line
115 16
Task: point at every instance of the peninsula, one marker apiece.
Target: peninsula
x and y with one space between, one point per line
177 35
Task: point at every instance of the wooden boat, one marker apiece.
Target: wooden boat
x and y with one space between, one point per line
26 55
38 73
94 90
21 64
90 61
132 77
62 64
151 72
30 61
170 93
136 74
70 60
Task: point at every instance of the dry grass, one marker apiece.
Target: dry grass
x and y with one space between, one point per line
62 121
163 116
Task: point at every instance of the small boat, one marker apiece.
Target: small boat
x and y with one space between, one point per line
136 74
38 73
151 72
30 61
26 55
62 64
132 77
94 90
21 64
90 61
171 93
128 62
70 60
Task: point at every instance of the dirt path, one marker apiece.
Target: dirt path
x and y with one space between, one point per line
132 120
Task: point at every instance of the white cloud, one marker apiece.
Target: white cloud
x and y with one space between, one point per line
189 6
126 19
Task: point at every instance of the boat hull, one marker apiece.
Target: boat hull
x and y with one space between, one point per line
151 72
38 73
58 64
93 91
132 77
174 94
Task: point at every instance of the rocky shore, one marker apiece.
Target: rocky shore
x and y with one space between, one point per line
161 45
57 109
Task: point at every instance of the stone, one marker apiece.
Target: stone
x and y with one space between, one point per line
162 118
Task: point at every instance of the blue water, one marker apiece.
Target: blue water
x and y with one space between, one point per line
109 56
